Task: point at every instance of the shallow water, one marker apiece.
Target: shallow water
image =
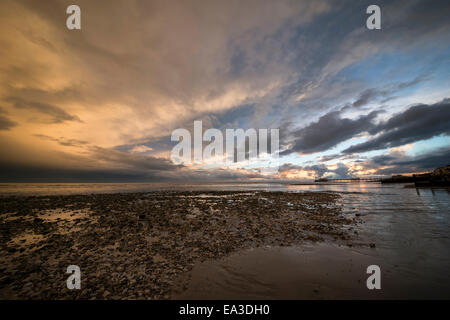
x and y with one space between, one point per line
410 228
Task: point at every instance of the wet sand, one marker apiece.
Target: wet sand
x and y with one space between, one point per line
139 245
310 271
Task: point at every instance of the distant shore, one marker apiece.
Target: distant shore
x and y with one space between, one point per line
135 245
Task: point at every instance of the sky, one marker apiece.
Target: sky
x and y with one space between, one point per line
100 104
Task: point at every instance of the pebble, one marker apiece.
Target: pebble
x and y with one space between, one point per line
138 244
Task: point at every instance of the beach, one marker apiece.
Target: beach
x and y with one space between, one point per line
134 245
173 244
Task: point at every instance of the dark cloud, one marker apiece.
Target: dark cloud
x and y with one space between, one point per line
329 157
428 161
417 123
30 173
365 97
329 131
140 169
339 156
134 161
56 114
318 169
398 162
63 141
385 93
5 123
341 172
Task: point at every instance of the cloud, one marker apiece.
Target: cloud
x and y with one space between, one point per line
339 170
386 93
140 149
430 161
57 115
317 170
417 123
115 158
140 69
329 131
398 162
63 141
5 123
34 173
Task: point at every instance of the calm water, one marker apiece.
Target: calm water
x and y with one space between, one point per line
410 227
87 188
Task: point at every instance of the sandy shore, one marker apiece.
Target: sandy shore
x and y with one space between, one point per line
310 271
138 245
